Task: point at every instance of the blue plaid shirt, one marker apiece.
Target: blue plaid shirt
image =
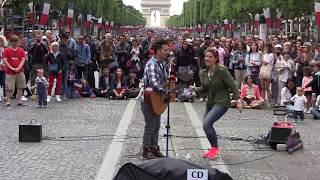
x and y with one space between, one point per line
155 75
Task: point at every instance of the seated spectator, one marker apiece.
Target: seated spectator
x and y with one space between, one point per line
315 83
316 111
71 77
86 90
104 90
133 84
286 94
118 86
250 94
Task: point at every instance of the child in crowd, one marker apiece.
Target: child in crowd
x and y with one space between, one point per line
41 86
299 101
307 78
71 93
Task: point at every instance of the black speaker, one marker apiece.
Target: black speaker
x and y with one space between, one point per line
30 132
279 133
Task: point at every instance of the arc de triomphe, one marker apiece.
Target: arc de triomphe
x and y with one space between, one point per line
156 12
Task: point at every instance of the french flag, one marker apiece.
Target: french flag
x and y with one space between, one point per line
111 24
278 20
70 14
317 10
45 13
31 14
106 25
88 22
100 23
266 12
233 25
226 25
256 21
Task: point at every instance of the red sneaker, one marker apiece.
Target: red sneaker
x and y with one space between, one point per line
214 152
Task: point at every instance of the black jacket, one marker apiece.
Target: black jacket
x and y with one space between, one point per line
133 85
102 82
38 53
50 59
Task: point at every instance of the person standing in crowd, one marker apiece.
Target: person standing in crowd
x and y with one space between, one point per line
315 83
303 59
223 52
135 58
105 89
50 37
3 44
107 54
196 62
317 53
249 41
217 82
253 63
94 54
296 50
203 48
14 59
83 58
68 56
146 44
122 53
55 63
155 76
268 61
238 62
71 42
37 52
185 57
285 68
307 78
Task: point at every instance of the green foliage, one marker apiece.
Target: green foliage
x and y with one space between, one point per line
112 10
209 11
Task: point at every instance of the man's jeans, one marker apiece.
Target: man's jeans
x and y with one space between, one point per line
151 129
211 116
316 113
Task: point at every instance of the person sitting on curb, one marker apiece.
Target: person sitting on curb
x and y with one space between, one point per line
104 84
250 94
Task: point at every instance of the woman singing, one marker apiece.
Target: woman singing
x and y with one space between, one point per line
216 82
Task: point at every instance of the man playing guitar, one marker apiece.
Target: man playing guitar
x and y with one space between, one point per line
155 76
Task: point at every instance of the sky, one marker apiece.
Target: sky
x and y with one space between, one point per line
176 5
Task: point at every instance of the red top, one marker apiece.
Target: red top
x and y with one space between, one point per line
14 58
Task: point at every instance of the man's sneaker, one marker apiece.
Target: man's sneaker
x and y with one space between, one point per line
58 98
23 98
214 152
48 98
308 112
39 106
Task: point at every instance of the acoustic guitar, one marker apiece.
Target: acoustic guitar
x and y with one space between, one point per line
158 102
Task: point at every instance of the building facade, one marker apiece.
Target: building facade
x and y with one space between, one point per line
156 12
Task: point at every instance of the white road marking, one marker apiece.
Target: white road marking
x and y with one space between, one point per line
197 124
109 165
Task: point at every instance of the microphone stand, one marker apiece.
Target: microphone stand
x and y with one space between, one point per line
168 104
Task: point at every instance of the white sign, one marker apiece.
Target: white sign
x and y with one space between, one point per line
197 174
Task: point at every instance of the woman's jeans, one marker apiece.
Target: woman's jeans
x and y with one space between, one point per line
211 116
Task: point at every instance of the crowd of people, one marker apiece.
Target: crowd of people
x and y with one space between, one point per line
280 72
